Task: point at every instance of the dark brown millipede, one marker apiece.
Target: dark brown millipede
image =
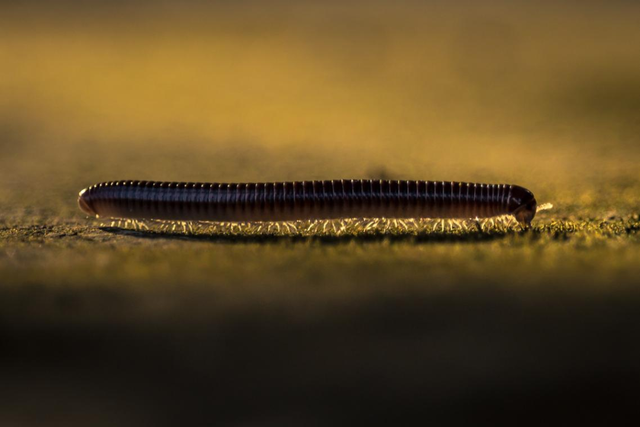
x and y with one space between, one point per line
306 200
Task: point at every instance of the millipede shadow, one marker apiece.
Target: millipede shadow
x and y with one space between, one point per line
432 237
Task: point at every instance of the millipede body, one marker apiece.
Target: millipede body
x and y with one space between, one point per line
306 200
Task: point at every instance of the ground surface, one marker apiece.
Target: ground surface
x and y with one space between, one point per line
104 326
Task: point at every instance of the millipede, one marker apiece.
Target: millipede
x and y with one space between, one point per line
306 200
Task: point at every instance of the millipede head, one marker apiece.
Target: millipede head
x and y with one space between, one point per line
523 205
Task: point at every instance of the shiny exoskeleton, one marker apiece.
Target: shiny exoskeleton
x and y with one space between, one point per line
306 200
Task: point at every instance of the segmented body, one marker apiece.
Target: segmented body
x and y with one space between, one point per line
306 200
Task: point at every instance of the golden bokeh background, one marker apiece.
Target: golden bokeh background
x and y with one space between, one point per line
545 95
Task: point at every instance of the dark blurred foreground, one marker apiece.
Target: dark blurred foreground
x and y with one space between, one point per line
478 356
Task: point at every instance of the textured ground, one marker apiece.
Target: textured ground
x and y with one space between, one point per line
104 326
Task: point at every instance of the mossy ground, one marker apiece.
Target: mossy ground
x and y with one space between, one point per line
102 325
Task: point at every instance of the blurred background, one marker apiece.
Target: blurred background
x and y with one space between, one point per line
107 328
